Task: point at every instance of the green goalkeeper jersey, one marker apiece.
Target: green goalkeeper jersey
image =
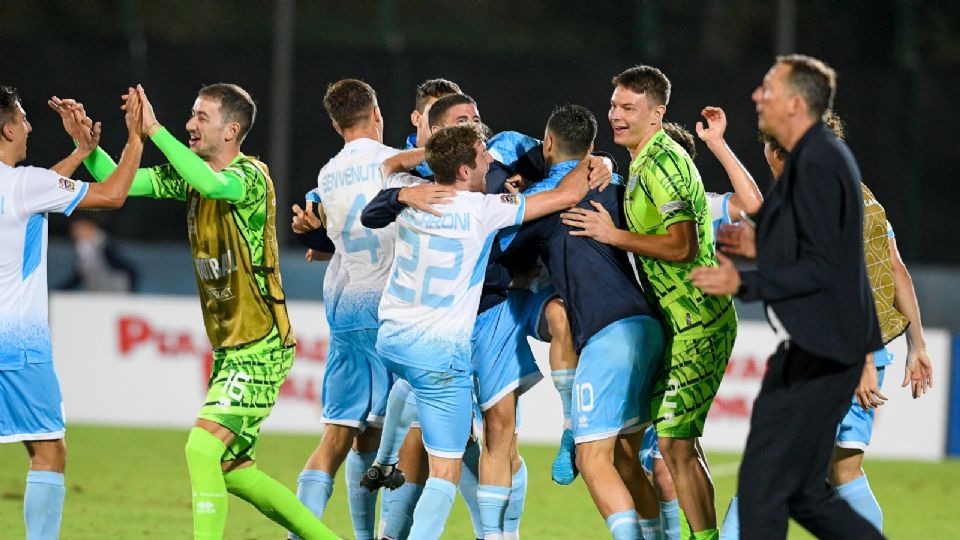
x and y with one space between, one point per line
665 188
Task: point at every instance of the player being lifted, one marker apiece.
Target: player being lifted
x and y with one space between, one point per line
430 303
31 407
670 234
232 232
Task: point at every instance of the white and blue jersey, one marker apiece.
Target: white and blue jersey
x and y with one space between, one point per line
430 303
30 403
719 205
358 271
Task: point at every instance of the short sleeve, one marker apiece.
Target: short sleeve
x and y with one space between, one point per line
500 211
719 207
167 183
670 195
890 230
46 191
399 180
313 196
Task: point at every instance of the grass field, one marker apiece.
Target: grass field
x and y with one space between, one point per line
132 483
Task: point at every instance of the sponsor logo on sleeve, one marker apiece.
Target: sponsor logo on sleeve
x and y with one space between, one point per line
68 184
510 198
673 206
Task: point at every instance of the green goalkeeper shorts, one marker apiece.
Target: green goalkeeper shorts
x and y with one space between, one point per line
688 381
244 385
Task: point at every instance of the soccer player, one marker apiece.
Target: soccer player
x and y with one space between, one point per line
31 407
430 304
897 310
669 232
619 341
232 232
355 384
428 92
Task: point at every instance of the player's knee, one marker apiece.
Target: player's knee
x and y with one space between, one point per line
499 426
663 480
677 450
48 455
592 453
368 440
555 314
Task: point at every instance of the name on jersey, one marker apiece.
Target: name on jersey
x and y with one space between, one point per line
349 176
216 268
453 221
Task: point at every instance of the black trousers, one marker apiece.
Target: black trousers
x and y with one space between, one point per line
787 459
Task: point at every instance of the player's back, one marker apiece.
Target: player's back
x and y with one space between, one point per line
345 185
430 303
26 195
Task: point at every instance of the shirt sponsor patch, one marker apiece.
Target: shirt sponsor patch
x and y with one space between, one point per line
68 184
510 198
673 206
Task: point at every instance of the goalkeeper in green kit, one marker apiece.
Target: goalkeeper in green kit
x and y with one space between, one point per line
231 225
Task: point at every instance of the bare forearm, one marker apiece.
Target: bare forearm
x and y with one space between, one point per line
746 193
905 300
657 246
402 162
112 192
68 165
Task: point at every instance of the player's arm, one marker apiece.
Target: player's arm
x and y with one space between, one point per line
112 192
225 185
918 371
402 162
84 132
746 194
570 191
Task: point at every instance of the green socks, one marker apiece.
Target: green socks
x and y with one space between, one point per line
278 503
708 534
204 451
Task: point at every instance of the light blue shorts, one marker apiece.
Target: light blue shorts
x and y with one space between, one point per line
614 380
31 406
856 428
649 449
355 383
444 406
502 359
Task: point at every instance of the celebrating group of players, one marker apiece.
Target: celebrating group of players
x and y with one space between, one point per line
444 258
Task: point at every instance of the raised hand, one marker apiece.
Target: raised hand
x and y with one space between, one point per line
134 114
716 125
150 123
305 221
601 172
77 124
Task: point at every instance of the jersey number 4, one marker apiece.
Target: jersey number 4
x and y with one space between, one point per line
409 265
366 240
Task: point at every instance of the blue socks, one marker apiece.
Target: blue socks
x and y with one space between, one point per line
432 511
314 488
401 412
731 522
493 504
363 503
518 493
43 504
400 514
651 529
860 497
563 381
469 482
624 525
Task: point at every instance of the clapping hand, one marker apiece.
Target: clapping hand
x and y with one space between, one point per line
77 124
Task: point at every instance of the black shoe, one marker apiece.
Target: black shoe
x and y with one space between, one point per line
377 476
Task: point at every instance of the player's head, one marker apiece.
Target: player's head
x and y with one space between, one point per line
428 92
776 154
221 117
458 156
14 125
683 137
351 104
452 110
798 89
639 101
570 132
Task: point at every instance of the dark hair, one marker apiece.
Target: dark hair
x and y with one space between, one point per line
831 119
236 105
349 102
812 79
450 148
646 80
682 136
573 128
434 88
442 105
8 104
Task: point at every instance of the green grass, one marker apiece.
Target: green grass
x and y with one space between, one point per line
132 483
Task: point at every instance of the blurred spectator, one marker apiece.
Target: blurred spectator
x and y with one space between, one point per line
99 265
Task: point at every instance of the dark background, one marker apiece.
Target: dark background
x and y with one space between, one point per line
898 65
